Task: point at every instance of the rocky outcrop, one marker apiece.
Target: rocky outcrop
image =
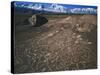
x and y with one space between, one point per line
37 20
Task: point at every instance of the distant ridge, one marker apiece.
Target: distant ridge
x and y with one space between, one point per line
54 8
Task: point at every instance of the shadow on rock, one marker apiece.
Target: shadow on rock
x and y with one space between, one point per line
40 20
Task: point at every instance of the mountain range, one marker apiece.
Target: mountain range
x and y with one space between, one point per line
54 8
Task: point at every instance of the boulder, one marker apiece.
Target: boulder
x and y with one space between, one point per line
37 20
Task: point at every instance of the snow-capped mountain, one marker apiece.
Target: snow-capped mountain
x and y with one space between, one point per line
83 10
35 6
57 8
29 6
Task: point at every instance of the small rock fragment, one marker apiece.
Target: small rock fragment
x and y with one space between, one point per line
89 42
76 41
57 31
48 54
35 54
50 34
28 56
77 25
74 34
44 61
80 30
78 36
52 61
35 50
62 28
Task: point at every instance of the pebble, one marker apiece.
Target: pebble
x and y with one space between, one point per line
35 54
48 54
78 36
44 61
35 50
57 31
76 41
74 33
62 28
28 56
77 25
50 34
89 42
80 30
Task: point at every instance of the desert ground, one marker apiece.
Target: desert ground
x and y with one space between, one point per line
64 42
